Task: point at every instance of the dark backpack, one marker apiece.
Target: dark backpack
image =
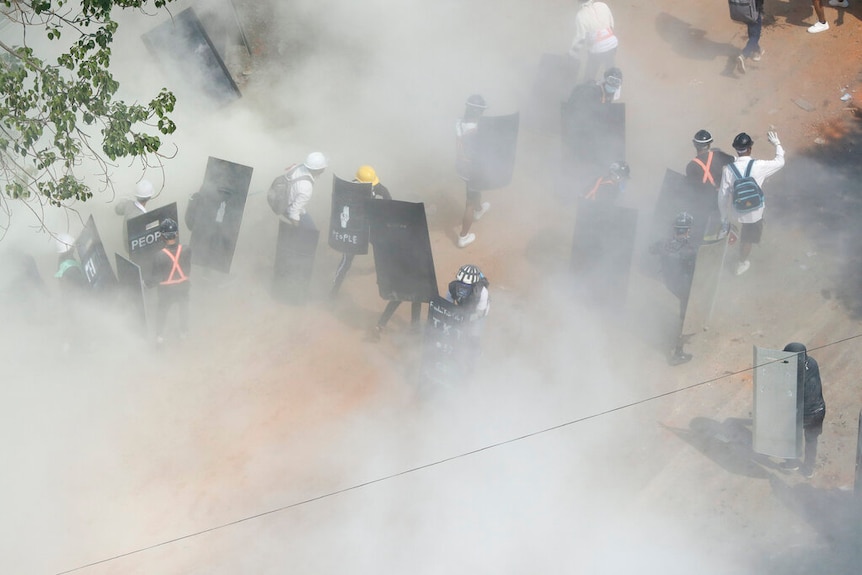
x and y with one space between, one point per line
278 195
747 195
744 11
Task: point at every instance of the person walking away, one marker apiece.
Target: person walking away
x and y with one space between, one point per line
170 269
466 135
132 208
732 203
607 189
752 48
704 172
813 408
290 193
594 28
366 175
821 25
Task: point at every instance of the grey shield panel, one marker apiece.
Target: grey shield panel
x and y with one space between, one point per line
444 343
94 260
858 485
496 143
704 286
557 74
188 54
602 251
402 251
777 409
348 222
214 214
132 288
294 262
677 195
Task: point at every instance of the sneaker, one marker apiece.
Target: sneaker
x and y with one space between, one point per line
742 267
818 27
679 358
758 55
839 4
740 63
374 333
789 465
477 215
464 241
807 472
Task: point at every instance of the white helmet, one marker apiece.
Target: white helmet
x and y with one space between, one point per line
315 161
65 242
144 190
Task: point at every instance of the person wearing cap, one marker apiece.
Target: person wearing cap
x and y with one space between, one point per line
704 173
134 207
466 135
751 222
290 193
594 28
366 175
169 270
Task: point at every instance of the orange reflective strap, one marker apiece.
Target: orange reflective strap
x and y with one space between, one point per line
180 277
707 176
591 195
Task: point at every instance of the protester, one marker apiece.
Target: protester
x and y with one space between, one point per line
813 408
594 28
132 208
170 269
466 133
290 193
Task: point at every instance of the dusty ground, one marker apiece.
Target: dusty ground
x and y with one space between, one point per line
268 406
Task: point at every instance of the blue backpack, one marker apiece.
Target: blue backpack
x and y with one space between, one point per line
747 195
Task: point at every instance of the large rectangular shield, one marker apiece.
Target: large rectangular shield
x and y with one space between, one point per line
402 251
214 214
857 486
593 134
294 262
187 52
496 143
132 290
677 195
444 342
94 260
708 273
602 251
778 398
145 237
348 222
557 74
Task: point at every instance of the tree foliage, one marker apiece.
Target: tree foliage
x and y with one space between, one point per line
54 116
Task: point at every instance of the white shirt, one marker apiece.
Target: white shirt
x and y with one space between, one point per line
594 24
761 170
300 191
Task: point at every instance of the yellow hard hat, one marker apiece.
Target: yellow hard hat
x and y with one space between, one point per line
367 175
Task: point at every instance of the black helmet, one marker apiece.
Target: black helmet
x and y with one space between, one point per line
620 170
468 274
476 101
169 229
742 142
683 222
702 138
796 347
614 77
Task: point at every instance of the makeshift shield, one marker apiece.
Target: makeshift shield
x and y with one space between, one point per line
445 342
132 290
214 214
188 54
94 260
496 143
858 484
402 251
556 76
145 237
294 262
348 222
778 398
704 286
602 251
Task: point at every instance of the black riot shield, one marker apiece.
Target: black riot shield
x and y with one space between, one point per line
496 143
602 251
132 289
677 195
557 74
94 260
187 53
402 251
214 214
778 398
348 222
593 136
445 345
294 262
145 237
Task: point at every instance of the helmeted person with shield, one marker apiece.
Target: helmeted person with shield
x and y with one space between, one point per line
813 408
608 188
466 133
365 175
132 208
469 291
290 193
170 270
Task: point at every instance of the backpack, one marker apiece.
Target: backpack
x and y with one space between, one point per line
744 11
278 195
747 195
